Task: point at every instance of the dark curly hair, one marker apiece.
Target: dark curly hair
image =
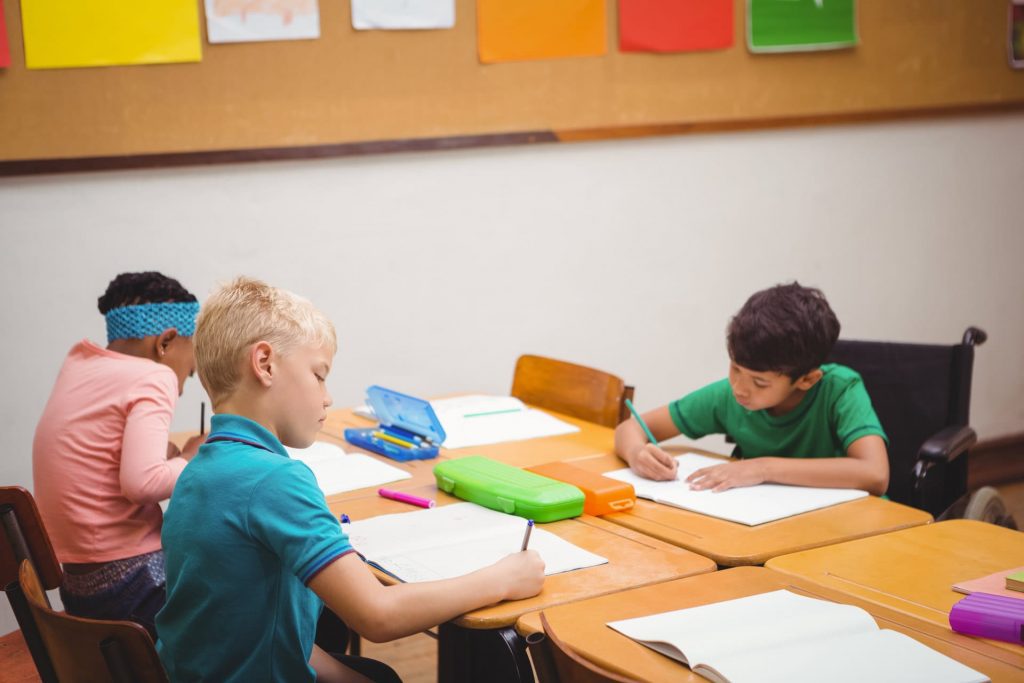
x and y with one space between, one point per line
128 289
787 329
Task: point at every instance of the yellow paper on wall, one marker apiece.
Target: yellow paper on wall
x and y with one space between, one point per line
513 30
72 33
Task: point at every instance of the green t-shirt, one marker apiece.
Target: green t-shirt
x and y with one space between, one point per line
832 415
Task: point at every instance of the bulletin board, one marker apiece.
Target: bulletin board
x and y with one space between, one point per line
352 92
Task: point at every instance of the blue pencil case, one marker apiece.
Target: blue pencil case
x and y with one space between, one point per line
408 429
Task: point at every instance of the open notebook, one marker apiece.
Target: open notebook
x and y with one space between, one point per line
782 636
449 541
337 471
750 505
479 420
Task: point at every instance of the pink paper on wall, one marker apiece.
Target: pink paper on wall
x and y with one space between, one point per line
5 47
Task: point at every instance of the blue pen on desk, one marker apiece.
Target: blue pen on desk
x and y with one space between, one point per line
643 425
526 538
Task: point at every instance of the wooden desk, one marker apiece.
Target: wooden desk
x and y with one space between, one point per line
731 544
590 440
912 571
581 625
481 645
633 559
422 471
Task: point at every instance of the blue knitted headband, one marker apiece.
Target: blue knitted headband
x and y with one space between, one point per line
143 320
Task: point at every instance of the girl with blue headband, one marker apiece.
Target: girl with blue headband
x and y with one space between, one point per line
101 457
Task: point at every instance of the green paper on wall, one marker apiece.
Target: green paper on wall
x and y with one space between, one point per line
800 25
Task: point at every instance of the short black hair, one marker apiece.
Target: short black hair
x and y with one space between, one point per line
789 329
129 289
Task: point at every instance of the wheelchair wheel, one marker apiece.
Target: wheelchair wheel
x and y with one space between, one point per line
985 505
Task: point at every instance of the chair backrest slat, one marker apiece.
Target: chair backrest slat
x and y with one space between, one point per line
25 537
80 648
574 390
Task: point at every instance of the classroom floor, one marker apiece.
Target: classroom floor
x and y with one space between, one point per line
414 658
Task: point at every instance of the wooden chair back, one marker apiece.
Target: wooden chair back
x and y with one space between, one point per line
570 389
91 650
557 663
23 537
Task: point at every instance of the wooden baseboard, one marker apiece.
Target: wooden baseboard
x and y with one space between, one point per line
996 461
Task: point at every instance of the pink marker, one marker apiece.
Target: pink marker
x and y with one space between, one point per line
406 498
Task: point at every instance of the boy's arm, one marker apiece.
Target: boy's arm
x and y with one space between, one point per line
865 467
380 613
643 457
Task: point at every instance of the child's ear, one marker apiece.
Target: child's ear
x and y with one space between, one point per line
810 379
163 340
261 361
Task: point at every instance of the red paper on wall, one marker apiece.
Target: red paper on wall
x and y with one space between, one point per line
675 25
5 48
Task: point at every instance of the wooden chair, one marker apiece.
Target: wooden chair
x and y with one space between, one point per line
571 389
555 662
25 538
91 650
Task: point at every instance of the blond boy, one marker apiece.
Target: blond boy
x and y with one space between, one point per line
252 551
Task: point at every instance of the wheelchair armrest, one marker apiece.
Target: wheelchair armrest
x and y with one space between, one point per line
948 444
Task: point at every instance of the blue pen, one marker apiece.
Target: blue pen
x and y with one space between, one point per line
526 538
643 425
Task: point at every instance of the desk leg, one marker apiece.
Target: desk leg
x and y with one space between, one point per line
466 655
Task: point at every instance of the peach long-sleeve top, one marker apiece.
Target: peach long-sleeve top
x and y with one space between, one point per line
99 458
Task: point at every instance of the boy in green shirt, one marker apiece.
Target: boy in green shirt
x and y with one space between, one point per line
792 417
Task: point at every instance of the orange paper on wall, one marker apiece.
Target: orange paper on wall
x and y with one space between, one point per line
675 25
540 29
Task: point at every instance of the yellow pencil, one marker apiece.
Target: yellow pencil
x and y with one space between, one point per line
388 437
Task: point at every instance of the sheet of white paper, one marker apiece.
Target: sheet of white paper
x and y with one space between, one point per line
782 636
403 14
873 656
750 505
337 471
479 420
453 540
238 21
767 620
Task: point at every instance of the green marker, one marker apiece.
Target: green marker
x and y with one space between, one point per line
643 425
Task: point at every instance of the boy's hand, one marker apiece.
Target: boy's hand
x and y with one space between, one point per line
522 573
727 476
653 463
192 445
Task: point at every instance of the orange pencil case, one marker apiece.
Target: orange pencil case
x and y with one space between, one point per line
601 494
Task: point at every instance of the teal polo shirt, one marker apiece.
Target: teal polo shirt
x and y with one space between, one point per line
247 528
832 415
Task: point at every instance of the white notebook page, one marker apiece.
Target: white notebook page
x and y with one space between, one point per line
750 505
453 540
337 471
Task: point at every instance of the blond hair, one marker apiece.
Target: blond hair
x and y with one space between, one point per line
242 313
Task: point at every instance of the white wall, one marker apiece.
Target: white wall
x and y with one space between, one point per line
440 269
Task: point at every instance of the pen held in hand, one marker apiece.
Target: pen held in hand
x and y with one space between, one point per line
643 425
526 537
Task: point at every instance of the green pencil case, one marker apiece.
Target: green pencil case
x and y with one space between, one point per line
509 489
